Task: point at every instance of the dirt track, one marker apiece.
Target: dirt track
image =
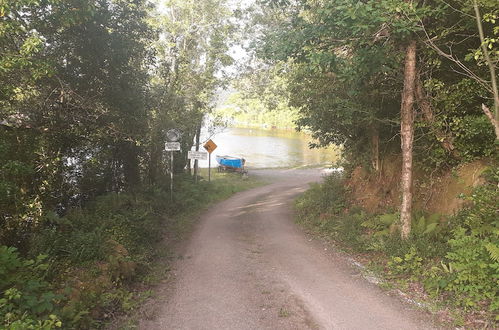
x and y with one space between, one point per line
248 266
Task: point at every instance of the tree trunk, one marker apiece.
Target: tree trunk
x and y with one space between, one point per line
493 79
154 159
130 160
407 137
375 147
198 137
493 120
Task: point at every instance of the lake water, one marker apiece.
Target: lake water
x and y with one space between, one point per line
270 148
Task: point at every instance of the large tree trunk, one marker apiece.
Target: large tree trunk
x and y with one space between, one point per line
198 137
494 119
375 147
130 159
407 137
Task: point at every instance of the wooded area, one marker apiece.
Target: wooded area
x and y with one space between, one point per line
409 90
89 89
392 74
88 93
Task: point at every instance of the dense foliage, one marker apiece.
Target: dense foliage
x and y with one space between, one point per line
88 91
343 61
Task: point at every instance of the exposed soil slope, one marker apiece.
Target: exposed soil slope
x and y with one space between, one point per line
378 192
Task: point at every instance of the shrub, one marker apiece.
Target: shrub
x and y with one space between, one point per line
26 299
473 256
475 275
327 198
408 264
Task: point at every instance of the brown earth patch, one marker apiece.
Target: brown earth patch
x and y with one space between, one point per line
379 191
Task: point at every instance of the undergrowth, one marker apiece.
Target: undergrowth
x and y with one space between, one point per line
81 267
455 259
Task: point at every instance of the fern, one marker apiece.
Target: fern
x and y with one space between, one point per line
420 225
389 218
431 228
383 225
434 218
493 251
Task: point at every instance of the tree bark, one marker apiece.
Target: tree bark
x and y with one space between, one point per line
198 137
130 160
490 115
154 158
407 137
375 147
492 70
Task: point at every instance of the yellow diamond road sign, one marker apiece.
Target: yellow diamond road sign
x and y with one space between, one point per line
210 146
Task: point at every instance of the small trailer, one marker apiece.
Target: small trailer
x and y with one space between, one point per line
231 164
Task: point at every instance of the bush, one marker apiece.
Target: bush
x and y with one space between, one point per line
26 299
474 277
324 208
322 200
473 255
408 264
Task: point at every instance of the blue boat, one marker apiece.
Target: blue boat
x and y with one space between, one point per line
229 163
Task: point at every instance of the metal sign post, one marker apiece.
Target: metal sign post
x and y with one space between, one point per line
171 147
171 176
209 146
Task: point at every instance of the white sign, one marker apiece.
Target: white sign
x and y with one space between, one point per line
201 155
172 146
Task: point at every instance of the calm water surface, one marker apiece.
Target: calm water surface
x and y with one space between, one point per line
269 148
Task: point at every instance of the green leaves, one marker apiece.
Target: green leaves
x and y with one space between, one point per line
493 250
410 264
25 298
475 272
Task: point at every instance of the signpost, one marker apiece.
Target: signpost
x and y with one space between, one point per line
172 146
197 155
200 155
210 146
173 135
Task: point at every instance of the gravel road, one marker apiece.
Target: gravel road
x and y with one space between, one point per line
248 266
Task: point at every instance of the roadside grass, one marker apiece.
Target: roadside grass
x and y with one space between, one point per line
99 262
450 264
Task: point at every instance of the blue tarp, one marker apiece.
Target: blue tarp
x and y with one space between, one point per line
230 161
